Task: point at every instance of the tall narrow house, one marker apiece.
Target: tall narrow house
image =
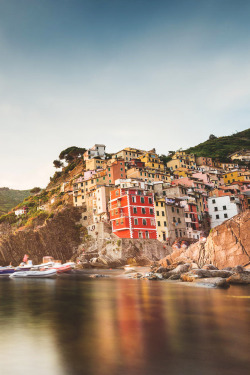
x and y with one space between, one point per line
132 213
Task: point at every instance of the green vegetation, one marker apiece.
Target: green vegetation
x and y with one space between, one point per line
9 198
222 147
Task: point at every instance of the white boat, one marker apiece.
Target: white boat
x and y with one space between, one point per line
34 274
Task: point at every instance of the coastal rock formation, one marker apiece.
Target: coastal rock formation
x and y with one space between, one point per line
228 245
58 237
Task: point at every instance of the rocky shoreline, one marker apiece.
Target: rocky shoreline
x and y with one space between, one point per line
187 273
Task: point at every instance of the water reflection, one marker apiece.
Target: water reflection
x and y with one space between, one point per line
120 326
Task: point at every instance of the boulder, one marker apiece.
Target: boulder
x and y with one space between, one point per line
176 276
237 269
220 273
240 278
202 273
189 277
209 267
213 282
181 268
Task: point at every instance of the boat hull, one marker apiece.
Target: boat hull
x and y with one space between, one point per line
35 274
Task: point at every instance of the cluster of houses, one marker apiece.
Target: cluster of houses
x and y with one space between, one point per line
141 197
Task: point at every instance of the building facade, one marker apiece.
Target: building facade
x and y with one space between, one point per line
223 208
132 213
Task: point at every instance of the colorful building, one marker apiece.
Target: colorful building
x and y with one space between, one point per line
132 213
152 161
116 170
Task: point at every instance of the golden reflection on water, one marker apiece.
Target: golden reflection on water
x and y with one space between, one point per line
122 326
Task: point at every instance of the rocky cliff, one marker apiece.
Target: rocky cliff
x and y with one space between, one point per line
228 245
58 237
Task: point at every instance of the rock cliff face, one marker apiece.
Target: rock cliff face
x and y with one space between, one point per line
228 245
58 237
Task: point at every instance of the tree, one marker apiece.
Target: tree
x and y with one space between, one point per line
211 137
35 190
71 153
57 163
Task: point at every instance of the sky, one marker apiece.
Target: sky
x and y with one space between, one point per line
141 73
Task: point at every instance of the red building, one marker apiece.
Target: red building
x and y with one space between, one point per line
116 171
132 213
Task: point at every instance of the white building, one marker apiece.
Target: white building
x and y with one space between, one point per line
21 211
223 208
97 151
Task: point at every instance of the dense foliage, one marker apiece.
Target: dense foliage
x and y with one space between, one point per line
222 147
9 198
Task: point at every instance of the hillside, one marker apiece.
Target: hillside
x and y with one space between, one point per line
221 147
9 198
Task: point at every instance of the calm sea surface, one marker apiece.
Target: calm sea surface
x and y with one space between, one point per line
116 326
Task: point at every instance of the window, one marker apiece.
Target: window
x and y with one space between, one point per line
224 207
162 213
157 213
156 203
147 234
133 199
121 221
151 211
174 219
225 216
143 210
117 192
158 223
140 235
162 204
142 200
136 221
134 210
165 223
75 199
144 221
217 216
179 220
213 201
150 200
215 208
109 175
117 222
172 209
176 232
177 210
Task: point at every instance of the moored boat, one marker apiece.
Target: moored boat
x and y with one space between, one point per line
34 274
6 271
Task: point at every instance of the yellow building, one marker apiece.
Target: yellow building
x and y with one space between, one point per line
243 155
93 164
170 220
182 160
152 160
182 172
150 175
233 176
127 154
81 187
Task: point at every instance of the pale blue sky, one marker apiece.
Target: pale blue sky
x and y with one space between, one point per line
161 74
